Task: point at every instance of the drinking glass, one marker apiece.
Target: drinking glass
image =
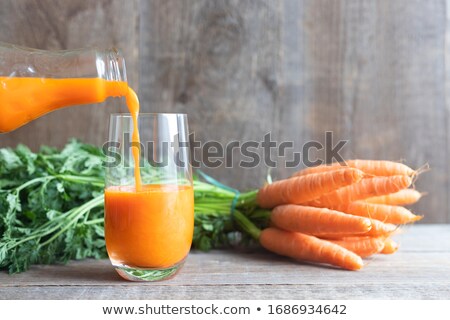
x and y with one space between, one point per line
148 229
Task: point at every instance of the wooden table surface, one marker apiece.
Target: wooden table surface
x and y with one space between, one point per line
419 270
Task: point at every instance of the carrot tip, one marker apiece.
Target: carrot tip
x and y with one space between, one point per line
410 181
422 169
397 232
359 265
390 247
358 175
368 223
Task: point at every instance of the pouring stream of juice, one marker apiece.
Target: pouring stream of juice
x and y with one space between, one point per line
133 107
133 215
24 99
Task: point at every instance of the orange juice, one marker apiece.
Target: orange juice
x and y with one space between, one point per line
145 225
25 99
149 228
133 107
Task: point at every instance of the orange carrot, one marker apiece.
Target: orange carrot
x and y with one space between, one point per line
371 167
364 189
382 212
390 246
303 189
378 229
312 220
402 197
308 248
381 229
362 246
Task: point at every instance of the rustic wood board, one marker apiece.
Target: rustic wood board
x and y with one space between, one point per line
372 72
418 271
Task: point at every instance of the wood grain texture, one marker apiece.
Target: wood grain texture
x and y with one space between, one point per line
419 270
218 62
374 73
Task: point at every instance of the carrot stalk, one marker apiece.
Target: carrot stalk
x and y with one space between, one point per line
363 189
371 167
382 212
306 188
308 248
362 246
312 220
402 197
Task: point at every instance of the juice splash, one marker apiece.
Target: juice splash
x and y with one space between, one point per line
150 228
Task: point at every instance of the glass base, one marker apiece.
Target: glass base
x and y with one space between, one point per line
148 274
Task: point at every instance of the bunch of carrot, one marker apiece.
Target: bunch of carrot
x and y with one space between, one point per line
335 214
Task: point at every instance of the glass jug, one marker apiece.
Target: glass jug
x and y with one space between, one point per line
35 82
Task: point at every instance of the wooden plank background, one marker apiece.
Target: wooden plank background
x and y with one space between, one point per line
372 72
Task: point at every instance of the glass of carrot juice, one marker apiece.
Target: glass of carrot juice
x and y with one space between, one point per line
149 196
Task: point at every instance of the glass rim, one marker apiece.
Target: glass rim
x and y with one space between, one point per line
128 115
